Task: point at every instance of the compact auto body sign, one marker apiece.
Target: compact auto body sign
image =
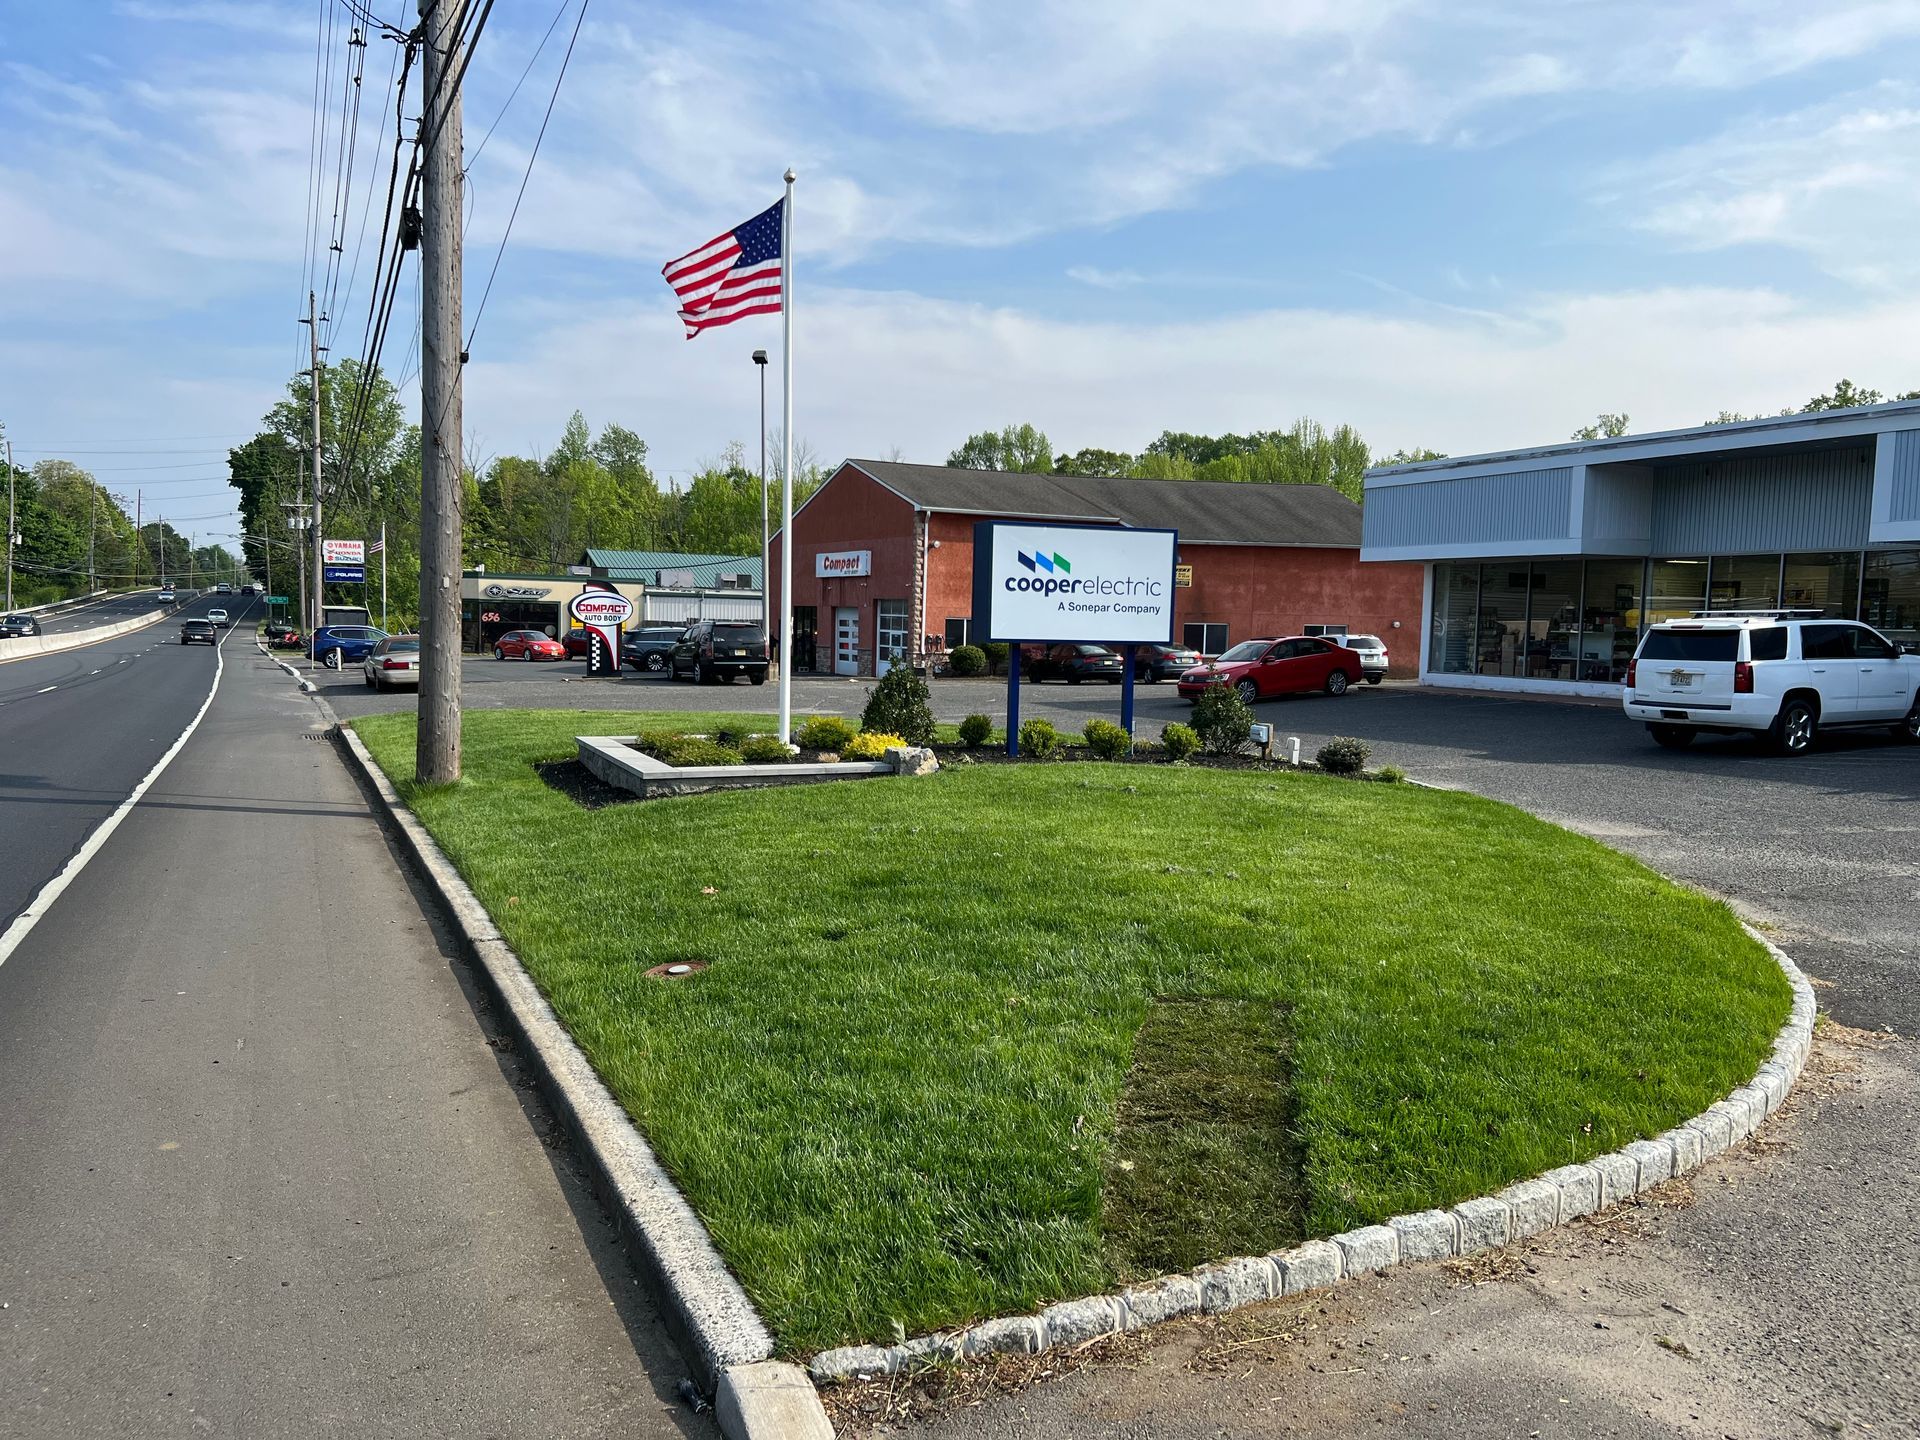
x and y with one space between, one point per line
603 608
831 563
1100 583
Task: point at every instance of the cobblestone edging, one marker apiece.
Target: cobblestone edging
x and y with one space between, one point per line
1521 1210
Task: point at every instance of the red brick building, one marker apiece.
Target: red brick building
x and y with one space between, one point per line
883 559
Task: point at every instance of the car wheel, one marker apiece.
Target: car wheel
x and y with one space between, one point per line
333 659
498 653
1671 737
1374 679
527 654
759 677
1247 691
656 662
1337 683
1909 728
1796 727
704 674
372 684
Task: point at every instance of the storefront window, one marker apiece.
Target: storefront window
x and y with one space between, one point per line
1456 603
1679 588
1207 638
1553 619
1827 583
957 632
890 623
1500 646
1609 619
1745 582
1890 594
806 637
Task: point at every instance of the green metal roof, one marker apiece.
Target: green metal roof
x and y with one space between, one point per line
646 566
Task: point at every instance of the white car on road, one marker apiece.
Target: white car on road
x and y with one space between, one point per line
218 617
1786 674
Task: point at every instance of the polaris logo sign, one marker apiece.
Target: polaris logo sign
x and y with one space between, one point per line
1104 584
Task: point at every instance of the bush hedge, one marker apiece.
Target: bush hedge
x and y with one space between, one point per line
1179 741
1222 720
898 706
870 745
1039 739
968 660
825 732
1343 755
1107 740
976 730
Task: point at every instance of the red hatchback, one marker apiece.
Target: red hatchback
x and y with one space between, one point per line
1260 668
528 645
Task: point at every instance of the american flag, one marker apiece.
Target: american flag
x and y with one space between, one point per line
374 547
731 276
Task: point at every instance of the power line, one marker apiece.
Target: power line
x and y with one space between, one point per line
552 25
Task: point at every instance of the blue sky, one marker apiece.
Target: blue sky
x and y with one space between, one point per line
1462 226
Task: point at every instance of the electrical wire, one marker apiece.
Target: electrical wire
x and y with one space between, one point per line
552 25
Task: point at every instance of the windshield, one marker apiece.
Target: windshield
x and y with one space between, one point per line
1693 645
395 647
1245 650
1364 642
738 634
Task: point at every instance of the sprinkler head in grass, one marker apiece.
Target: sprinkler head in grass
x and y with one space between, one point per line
676 970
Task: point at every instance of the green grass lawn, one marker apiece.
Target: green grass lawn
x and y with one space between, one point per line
893 1097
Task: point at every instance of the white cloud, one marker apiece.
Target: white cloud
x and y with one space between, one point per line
1839 181
1105 279
882 370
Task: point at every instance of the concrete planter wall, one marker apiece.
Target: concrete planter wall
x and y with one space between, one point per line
614 761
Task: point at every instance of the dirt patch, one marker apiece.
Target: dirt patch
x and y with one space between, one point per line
581 785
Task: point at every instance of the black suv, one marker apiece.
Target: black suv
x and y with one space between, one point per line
711 650
194 631
649 649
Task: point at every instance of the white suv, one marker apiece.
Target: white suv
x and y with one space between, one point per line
1785 673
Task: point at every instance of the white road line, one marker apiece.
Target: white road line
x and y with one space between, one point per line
46 689
24 922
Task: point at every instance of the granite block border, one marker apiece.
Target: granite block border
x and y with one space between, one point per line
1520 1210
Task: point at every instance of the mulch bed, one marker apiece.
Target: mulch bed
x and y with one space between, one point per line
1066 754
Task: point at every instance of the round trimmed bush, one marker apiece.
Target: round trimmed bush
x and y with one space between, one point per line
1179 742
870 745
976 730
1343 755
996 653
1107 740
764 750
898 706
825 732
1038 739
968 660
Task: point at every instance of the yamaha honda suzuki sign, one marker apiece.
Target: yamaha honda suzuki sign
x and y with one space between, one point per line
602 612
1103 584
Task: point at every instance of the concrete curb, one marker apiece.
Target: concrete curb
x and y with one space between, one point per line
24 646
1515 1213
718 1330
306 685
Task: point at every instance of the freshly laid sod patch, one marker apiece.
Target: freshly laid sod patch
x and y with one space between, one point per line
1202 1163
892 1094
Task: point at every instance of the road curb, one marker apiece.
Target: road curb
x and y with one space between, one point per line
306 685
718 1330
1517 1212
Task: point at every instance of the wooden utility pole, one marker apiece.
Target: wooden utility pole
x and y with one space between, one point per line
319 575
437 750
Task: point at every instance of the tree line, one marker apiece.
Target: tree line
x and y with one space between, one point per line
1305 453
520 513
76 536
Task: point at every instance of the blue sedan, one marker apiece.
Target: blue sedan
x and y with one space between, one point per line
336 644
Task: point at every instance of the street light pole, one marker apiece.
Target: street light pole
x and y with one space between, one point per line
12 539
766 613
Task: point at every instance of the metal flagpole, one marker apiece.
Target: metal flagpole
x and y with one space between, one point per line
383 575
786 465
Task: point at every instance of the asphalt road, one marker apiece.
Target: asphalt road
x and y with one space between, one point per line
104 612
266 1167
62 771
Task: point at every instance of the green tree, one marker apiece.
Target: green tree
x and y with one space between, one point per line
1093 461
1604 427
1417 456
1019 448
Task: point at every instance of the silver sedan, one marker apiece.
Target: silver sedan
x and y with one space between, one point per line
393 662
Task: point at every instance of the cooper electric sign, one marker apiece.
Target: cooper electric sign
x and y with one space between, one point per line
1099 583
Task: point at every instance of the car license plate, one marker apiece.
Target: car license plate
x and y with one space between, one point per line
739 652
1680 681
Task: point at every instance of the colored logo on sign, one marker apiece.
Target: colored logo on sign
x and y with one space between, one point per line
1049 563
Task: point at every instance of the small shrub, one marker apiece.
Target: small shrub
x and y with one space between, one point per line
693 750
996 653
1390 775
870 745
1222 720
652 742
1038 739
764 750
1107 740
1179 741
1343 755
968 660
898 706
975 731
730 735
825 732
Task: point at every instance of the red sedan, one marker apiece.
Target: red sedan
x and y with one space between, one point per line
528 645
1260 668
